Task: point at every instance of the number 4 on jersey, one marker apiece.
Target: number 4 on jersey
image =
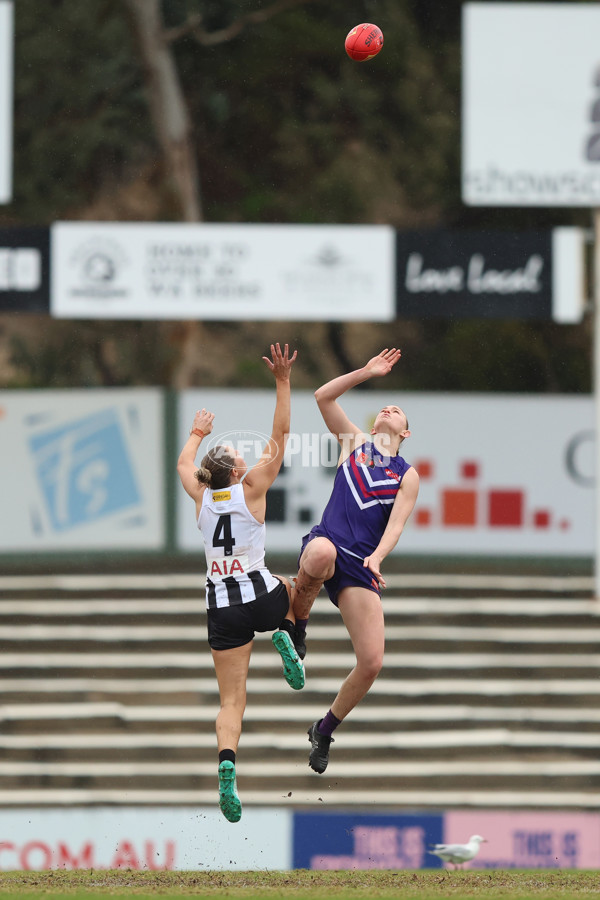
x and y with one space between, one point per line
223 537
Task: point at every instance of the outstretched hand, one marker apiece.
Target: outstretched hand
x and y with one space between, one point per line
383 363
280 363
203 420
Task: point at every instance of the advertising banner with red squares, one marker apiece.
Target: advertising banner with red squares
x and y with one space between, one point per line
502 474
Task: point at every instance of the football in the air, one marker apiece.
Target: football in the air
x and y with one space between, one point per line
364 42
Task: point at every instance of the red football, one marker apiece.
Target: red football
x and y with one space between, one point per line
364 42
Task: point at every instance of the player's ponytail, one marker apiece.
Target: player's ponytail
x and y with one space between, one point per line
203 475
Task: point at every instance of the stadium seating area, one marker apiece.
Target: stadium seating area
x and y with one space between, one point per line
489 697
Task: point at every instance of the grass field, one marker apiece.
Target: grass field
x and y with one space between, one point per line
312 885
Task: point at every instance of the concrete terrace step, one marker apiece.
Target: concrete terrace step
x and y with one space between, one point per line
301 712
70 583
393 606
269 659
340 769
399 633
400 690
297 777
469 739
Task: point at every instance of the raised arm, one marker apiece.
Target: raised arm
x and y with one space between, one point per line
401 510
186 464
262 475
326 396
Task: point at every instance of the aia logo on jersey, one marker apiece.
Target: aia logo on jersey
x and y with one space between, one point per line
222 567
391 474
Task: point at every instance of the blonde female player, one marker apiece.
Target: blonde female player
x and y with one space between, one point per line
373 495
242 596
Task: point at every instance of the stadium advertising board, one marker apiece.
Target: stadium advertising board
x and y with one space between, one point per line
269 839
499 474
144 839
6 98
222 272
24 270
521 839
81 469
342 840
518 839
491 274
531 104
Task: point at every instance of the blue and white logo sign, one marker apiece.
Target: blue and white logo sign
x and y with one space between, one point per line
84 470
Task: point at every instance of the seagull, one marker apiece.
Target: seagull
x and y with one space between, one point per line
458 853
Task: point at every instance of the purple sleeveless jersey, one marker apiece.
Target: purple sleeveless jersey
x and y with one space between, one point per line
361 501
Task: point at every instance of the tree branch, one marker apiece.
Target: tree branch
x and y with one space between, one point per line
193 26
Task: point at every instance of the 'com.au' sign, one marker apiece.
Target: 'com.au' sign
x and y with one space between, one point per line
84 470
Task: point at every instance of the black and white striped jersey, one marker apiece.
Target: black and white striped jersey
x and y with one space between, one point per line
234 543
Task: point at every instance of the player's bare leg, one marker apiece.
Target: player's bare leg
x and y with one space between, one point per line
363 616
317 564
362 613
231 667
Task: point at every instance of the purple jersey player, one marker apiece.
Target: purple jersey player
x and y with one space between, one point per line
373 495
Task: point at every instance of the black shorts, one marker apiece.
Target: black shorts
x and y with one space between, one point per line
234 626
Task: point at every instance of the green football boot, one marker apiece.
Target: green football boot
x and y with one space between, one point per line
229 802
293 667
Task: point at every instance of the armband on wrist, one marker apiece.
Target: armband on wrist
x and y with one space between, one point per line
197 432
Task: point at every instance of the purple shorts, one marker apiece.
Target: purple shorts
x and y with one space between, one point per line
349 570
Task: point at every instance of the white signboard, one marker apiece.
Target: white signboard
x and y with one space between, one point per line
531 104
145 838
222 272
6 98
500 475
81 469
